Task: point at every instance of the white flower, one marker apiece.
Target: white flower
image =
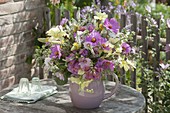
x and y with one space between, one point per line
100 16
56 32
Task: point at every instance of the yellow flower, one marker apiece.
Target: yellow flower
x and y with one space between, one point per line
76 46
101 27
100 16
56 32
124 64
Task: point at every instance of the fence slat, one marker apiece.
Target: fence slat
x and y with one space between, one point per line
57 16
75 13
145 57
122 71
122 21
134 28
47 17
168 42
156 46
67 14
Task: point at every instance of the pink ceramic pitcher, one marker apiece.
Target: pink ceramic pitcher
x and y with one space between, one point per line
89 100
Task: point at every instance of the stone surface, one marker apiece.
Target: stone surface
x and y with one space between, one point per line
126 100
11 7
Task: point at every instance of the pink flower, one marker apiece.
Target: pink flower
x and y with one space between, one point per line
103 64
55 52
54 2
112 25
94 38
84 63
92 74
73 67
126 48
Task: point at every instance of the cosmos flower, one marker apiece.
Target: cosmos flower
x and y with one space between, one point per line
92 74
105 64
126 48
73 67
85 63
83 52
112 25
94 38
55 52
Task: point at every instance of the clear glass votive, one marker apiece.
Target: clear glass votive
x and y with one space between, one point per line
24 87
36 85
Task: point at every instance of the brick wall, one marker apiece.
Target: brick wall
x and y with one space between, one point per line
17 20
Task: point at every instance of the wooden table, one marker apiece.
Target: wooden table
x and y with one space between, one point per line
126 100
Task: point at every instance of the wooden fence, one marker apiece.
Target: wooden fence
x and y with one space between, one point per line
145 42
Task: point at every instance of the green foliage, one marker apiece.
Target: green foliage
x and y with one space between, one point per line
82 3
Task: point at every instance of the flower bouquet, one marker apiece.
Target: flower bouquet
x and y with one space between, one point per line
87 50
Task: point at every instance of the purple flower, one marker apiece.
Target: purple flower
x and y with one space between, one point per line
94 38
167 47
105 64
92 74
63 21
148 8
70 57
119 9
108 65
55 52
87 45
99 65
73 67
126 48
132 4
84 63
104 45
83 52
96 51
112 25
91 28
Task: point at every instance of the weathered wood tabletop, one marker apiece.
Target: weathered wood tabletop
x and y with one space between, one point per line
126 100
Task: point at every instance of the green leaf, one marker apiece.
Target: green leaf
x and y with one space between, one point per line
61 82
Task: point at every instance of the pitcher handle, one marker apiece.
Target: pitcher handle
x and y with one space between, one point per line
113 90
